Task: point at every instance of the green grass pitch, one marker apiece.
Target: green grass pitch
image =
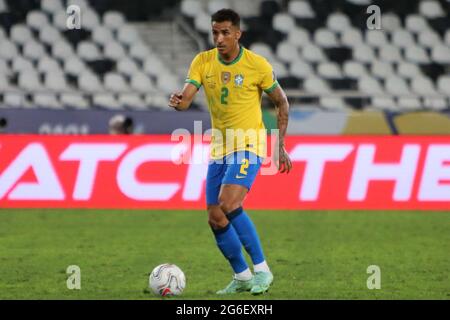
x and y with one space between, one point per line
313 255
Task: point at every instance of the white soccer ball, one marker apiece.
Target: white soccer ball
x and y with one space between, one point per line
167 280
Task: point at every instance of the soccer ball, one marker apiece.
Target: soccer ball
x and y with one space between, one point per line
167 280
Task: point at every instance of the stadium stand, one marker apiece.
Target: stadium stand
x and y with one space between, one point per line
321 51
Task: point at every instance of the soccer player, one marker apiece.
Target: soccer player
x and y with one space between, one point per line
233 78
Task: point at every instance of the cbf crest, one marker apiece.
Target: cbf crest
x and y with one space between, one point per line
225 77
238 80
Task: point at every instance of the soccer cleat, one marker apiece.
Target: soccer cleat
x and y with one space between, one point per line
236 286
262 282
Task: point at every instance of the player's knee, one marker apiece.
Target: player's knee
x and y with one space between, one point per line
216 219
228 204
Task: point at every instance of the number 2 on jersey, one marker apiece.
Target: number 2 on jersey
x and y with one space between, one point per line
224 96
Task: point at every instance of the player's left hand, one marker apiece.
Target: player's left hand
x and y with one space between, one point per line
284 162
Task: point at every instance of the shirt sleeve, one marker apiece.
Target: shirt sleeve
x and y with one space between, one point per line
195 74
268 80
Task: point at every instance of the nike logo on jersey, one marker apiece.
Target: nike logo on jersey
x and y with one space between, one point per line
240 177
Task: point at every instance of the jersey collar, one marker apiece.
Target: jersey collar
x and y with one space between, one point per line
241 51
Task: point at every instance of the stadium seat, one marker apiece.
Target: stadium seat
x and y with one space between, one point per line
203 22
127 67
106 101
166 83
21 34
396 86
115 83
48 64
88 51
408 70
139 51
298 37
402 38
313 53
443 84
376 38
91 20
329 70
429 38
279 69
416 54
441 54
262 49
423 86
37 19
33 50
47 100
409 103
141 83
16 99
51 6
363 53
8 50
354 69
128 35
431 9
154 66
338 22
55 81
384 103
74 100
114 50
213 6
300 9
191 8
29 81
391 22
390 53
381 69
113 20
369 85
333 103
283 22
325 38
62 50
287 52
49 35
301 69
416 23
89 82
316 85
352 37
19 64
74 66
132 101
102 35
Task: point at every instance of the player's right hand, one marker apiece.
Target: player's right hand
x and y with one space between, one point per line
175 99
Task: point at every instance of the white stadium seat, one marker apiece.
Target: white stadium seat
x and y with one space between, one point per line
396 86
114 82
287 52
213 6
114 50
416 54
300 9
132 101
352 37
441 54
429 38
139 51
166 83
51 6
37 19
443 85
369 85
363 53
154 66
15 100
338 22
390 53
46 100
333 103
202 22
89 82
91 20
329 70
141 83
21 34
431 9
74 66
127 67
29 81
8 50
408 70
74 100
301 69
62 50
381 69
279 69
262 49
391 22
313 53
33 50
325 38
299 37
87 50
402 38
20 64
191 8
376 38
49 34
283 22
354 69
423 86
48 64
106 100
55 81
102 35
316 85
384 103
416 23
113 20
128 35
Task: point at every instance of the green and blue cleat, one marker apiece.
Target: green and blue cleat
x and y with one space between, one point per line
261 282
236 286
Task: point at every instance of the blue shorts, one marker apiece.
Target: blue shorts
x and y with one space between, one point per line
240 167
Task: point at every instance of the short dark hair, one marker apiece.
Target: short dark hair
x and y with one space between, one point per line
227 15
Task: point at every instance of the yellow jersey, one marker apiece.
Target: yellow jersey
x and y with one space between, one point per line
234 91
